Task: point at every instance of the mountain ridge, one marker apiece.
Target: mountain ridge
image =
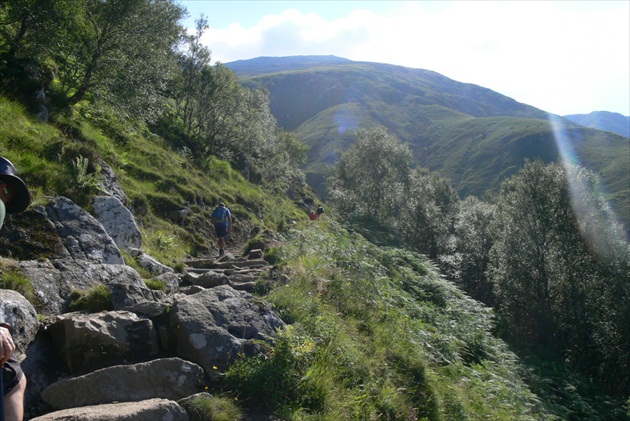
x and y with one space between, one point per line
474 136
603 120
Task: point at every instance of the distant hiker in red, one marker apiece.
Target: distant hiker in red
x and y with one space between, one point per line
222 220
312 215
14 198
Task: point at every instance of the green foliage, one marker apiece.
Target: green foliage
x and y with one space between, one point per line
374 187
558 264
16 281
89 182
466 257
370 181
93 300
155 284
204 406
377 333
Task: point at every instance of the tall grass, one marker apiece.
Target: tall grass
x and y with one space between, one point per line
377 334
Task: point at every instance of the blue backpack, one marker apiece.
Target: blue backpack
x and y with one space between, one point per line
219 215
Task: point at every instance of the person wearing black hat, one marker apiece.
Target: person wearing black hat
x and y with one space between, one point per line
14 198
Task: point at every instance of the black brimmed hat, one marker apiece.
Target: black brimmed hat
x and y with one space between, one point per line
21 197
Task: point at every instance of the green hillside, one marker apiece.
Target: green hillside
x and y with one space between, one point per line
472 135
511 309
373 331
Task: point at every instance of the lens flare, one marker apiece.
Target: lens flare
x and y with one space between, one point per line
599 225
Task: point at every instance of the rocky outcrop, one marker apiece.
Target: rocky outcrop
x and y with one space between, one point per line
92 341
118 222
20 314
149 410
212 326
169 378
152 348
84 237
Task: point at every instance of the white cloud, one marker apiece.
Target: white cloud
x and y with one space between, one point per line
563 57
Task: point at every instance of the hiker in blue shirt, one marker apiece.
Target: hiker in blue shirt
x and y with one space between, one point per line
222 220
14 198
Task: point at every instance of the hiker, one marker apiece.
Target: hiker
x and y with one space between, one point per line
312 215
222 220
15 198
320 211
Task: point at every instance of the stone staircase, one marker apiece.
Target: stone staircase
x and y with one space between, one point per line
239 272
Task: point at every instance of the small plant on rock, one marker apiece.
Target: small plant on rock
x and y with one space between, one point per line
93 300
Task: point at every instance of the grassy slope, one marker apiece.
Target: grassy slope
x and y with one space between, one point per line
159 182
374 332
377 333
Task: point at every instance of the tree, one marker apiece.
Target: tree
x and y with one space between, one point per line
371 179
536 225
560 266
28 30
119 52
426 218
467 255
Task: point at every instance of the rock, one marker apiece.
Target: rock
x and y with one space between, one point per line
148 410
94 341
110 182
169 378
255 254
209 279
21 315
149 263
84 237
138 298
54 282
212 326
118 221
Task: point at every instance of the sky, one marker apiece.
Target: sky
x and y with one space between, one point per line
563 57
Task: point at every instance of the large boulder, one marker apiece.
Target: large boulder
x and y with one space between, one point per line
55 281
21 315
212 326
93 341
169 378
118 221
149 410
83 236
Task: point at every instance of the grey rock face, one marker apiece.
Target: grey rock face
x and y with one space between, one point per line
214 325
93 341
84 237
21 315
117 221
169 378
148 410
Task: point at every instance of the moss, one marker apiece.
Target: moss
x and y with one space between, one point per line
30 236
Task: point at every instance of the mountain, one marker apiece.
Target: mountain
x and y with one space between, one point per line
474 136
603 120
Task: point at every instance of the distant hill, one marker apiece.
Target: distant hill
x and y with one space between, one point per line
603 120
470 134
